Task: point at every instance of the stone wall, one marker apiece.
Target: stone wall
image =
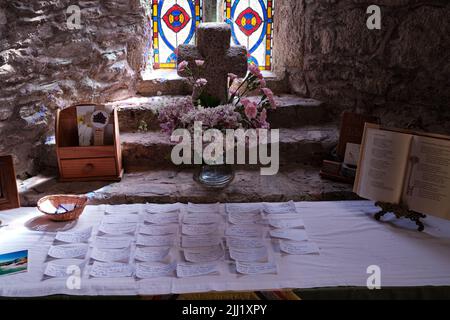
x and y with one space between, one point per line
44 65
400 72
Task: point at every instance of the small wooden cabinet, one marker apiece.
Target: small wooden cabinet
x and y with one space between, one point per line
87 163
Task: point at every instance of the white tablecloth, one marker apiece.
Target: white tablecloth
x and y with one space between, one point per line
349 239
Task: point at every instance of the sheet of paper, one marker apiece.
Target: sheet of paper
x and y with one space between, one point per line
203 208
200 241
287 223
249 255
245 230
155 241
112 242
198 269
279 208
155 269
206 254
66 251
243 207
291 234
201 218
256 267
62 268
163 208
158 230
199 229
298 247
427 185
151 253
117 228
110 255
123 209
244 217
161 218
74 236
120 218
235 242
111 270
383 166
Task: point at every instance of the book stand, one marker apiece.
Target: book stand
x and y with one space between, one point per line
400 211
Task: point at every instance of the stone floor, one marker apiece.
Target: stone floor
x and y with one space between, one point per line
168 185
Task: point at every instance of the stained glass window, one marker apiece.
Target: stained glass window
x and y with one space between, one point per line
251 25
173 23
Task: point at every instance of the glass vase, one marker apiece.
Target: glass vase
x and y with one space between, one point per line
215 176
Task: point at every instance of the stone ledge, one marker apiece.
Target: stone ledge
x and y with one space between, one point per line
166 186
307 145
293 111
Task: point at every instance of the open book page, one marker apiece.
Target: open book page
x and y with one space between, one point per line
427 185
382 165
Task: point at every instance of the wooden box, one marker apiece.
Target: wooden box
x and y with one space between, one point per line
87 163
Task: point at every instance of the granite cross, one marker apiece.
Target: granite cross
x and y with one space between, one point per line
214 47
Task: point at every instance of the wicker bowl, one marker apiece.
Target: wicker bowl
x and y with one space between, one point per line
57 200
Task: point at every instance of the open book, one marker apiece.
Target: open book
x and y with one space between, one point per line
405 167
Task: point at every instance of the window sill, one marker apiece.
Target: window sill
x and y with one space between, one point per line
171 74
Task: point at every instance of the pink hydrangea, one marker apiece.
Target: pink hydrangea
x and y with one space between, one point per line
263 116
182 65
251 110
201 82
269 94
254 70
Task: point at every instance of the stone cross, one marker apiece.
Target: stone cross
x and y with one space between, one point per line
213 46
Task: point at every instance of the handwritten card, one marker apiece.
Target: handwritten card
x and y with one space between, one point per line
158 230
287 223
116 228
201 218
110 255
155 269
203 208
279 208
112 242
290 234
256 267
111 270
194 270
200 241
62 268
66 251
120 218
161 218
155 241
244 230
74 236
235 242
206 254
199 229
298 247
249 255
151 253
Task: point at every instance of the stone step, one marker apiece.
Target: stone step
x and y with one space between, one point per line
307 145
167 186
140 113
152 149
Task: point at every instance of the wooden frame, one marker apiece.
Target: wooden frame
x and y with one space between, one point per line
89 163
9 195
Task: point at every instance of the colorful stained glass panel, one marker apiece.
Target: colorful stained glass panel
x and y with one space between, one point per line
173 23
251 24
